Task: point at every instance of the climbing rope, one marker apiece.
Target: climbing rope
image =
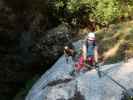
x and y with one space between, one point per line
116 82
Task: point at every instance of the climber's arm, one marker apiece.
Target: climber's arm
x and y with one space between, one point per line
84 52
96 54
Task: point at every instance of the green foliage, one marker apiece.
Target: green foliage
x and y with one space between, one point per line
112 37
107 10
75 5
101 11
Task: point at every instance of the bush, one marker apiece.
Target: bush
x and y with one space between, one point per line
103 12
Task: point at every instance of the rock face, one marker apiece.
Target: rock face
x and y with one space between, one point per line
58 84
52 42
24 45
17 36
30 54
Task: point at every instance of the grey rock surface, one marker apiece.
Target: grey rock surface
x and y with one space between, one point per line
58 84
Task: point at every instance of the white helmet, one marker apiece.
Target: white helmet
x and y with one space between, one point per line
66 47
91 36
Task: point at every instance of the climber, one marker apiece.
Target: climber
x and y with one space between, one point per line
90 50
88 54
69 51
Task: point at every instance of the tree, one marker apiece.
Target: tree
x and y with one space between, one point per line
98 11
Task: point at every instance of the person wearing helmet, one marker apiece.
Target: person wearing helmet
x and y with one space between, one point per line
90 50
